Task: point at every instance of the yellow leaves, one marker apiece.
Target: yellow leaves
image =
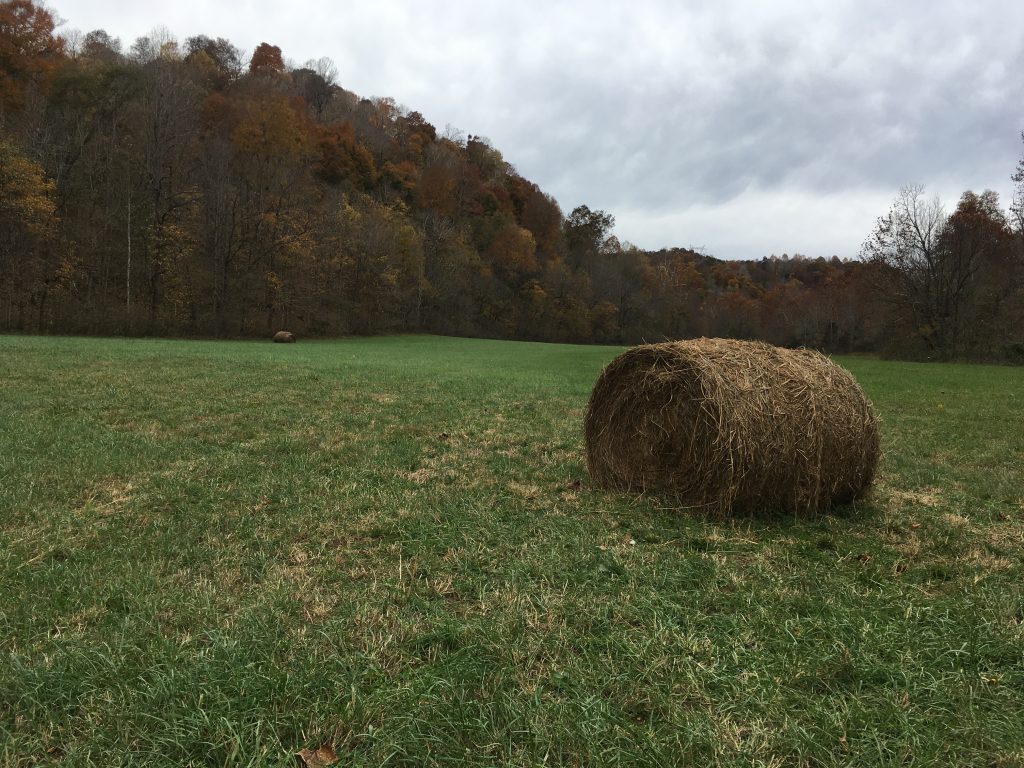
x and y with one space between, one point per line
25 193
274 283
169 51
289 229
270 127
408 243
64 275
513 251
170 241
684 275
533 292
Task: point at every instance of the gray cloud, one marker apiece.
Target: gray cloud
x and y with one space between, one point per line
746 127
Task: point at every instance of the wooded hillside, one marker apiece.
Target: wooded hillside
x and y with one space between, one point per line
187 188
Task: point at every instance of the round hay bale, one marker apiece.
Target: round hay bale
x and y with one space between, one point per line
284 337
732 425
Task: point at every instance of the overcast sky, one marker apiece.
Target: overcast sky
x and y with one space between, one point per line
743 128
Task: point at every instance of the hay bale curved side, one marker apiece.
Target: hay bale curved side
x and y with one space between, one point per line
732 425
284 337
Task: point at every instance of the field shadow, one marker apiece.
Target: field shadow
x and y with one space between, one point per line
667 511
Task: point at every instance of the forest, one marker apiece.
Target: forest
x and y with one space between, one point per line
192 189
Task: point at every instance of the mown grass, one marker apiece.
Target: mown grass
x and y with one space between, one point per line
222 553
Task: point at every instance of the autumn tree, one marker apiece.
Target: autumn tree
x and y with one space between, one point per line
488 160
513 253
384 280
29 52
169 123
681 289
539 213
269 191
844 298
266 60
565 310
787 315
218 59
585 233
98 46
159 43
89 150
414 135
977 241
435 191
341 158
457 279
27 229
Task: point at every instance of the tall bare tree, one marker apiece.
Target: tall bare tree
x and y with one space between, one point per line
917 279
1017 206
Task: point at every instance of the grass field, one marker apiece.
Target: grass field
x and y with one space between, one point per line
219 553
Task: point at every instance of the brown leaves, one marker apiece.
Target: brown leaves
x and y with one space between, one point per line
270 127
321 757
28 48
266 60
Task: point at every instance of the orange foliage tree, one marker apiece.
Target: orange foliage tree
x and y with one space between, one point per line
28 50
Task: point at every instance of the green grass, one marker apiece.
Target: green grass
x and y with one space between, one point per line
220 553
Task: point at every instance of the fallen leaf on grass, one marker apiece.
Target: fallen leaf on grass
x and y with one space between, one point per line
318 758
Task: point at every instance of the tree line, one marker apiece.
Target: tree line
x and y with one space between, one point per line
187 189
